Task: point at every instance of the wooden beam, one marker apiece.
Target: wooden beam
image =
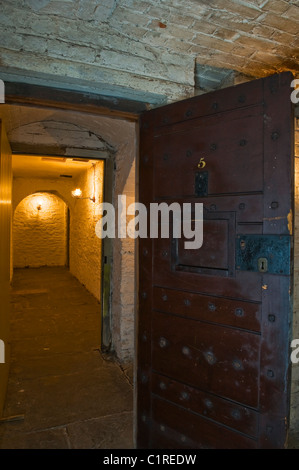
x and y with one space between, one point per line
38 95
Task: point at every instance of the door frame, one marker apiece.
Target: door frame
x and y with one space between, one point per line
23 93
6 259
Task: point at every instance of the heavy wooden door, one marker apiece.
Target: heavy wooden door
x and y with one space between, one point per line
214 323
5 273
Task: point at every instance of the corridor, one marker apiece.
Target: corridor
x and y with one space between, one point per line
62 394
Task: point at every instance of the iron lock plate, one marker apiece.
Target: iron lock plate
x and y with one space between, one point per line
264 253
201 183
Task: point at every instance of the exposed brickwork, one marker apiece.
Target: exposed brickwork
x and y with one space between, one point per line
123 278
149 45
39 235
85 246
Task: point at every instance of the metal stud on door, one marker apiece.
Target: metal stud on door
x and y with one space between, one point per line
217 319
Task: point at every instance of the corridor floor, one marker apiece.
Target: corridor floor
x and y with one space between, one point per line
62 392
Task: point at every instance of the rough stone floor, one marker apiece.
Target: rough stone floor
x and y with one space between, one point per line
63 393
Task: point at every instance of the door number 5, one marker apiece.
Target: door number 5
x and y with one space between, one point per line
201 163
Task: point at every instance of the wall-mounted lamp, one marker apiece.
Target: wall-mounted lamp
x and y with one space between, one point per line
39 207
77 193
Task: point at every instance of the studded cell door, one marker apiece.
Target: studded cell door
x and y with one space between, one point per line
214 323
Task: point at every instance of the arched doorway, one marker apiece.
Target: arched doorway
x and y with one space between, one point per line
40 231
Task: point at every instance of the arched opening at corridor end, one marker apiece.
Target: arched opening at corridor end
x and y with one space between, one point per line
40 231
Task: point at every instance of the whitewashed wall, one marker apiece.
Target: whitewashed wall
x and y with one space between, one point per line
39 235
85 246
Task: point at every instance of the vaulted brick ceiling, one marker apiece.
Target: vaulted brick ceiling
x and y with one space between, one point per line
147 49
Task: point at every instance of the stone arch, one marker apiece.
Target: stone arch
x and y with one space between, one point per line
55 193
59 137
49 186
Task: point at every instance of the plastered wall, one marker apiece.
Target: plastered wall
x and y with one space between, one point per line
40 231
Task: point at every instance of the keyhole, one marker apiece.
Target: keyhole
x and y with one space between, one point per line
263 265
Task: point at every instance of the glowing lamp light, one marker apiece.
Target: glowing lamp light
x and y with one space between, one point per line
77 193
40 202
